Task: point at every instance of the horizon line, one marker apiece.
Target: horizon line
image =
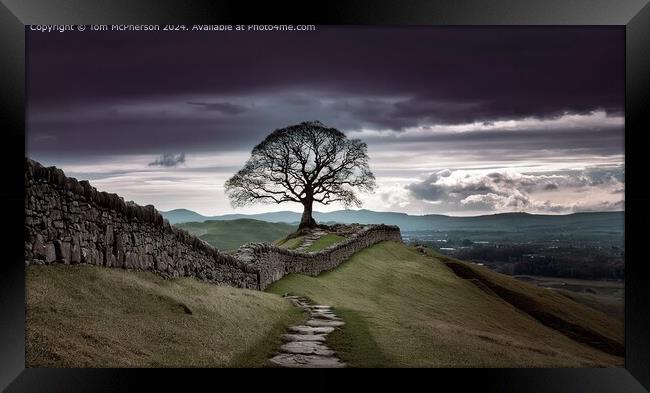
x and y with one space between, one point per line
396 212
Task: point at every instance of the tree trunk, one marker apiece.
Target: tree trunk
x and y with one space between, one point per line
307 221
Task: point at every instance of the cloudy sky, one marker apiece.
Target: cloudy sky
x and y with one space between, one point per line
458 120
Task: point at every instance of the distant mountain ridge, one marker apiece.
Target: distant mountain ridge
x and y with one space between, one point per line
587 221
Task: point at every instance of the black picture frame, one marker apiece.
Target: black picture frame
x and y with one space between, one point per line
633 14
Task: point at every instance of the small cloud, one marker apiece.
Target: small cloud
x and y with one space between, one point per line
225 108
169 160
551 187
428 190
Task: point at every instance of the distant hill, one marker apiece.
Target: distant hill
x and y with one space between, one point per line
230 234
183 215
509 222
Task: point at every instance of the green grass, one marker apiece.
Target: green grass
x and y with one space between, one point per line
410 310
355 343
291 243
86 316
325 242
606 296
229 235
401 309
585 324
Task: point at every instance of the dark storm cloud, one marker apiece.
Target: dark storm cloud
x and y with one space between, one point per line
428 190
169 160
144 135
222 107
388 78
511 144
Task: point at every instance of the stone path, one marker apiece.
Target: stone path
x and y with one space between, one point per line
308 240
304 346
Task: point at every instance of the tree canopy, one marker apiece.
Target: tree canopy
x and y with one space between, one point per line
303 163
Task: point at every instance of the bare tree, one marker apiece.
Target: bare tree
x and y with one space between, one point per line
303 163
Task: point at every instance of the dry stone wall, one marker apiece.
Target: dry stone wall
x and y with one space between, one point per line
274 262
69 221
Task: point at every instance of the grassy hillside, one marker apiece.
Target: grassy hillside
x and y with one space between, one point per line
405 309
401 308
290 243
325 242
583 324
85 316
606 296
614 308
229 235
297 241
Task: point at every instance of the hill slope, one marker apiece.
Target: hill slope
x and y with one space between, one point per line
229 235
87 316
401 308
409 310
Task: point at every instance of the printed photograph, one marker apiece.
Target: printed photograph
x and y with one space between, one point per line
323 196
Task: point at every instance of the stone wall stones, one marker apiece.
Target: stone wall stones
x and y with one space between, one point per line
69 221
274 262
